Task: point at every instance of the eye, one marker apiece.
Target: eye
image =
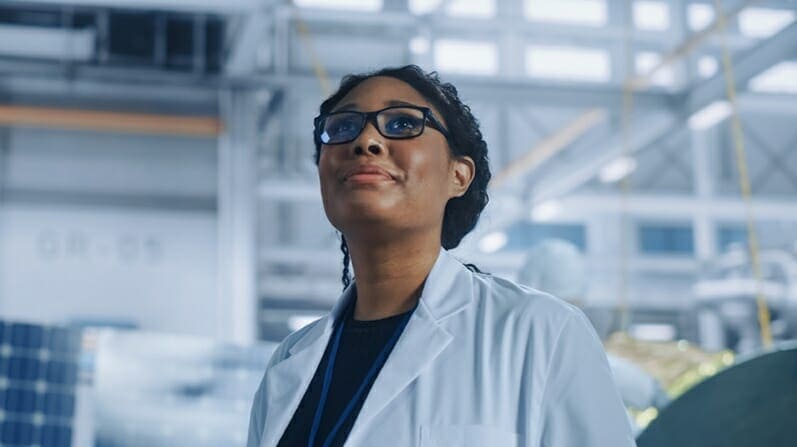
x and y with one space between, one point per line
402 124
340 125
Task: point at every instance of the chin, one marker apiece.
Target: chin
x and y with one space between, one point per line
357 214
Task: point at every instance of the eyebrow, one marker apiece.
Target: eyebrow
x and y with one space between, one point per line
349 106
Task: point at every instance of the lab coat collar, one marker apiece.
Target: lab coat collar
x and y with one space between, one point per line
447 272
448 289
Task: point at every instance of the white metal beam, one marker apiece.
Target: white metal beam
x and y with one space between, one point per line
47 43
505 91
682 207
225 7
237 294
248 41
769 52
649 131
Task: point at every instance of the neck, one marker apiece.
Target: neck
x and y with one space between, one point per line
390 275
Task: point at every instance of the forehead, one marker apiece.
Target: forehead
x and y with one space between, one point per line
382 91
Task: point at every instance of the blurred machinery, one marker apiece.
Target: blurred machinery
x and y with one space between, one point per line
166 390
649 374
106 387
726 300
750 403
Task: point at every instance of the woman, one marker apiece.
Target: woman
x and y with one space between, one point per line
420 350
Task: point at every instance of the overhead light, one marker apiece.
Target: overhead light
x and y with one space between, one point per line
710 115
493 242
780 78
355 5
707 66
466 57
419 45
420 7
652 16
764 22
617 169
700 16
547 210
568 62
471 8
576 12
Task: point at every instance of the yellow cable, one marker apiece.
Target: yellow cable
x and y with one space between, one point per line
744 182
318 67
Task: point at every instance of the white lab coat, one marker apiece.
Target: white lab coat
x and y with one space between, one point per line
482 362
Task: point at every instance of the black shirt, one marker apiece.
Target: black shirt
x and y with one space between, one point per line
360 345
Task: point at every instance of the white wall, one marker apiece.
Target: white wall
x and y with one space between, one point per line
156 270
66 255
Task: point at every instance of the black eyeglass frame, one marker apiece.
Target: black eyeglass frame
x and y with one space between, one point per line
370 117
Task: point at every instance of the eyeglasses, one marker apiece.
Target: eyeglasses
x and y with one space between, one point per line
397 123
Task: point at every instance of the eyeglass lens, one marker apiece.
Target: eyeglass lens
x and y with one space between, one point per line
396 122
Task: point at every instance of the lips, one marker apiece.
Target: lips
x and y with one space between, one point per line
372 171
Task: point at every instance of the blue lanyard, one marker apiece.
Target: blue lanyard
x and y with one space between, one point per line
380 359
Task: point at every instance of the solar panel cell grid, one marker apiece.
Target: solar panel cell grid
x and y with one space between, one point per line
62 373
38 377
15 433
23 368
55 436
27 336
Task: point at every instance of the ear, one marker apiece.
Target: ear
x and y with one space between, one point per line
463 169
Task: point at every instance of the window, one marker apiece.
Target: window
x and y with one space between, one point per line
524 235
576 12
764 22
651 16
728 235
780 78
459 8
466 57
647 61
566 62
471 8
665 239
423 6
700 16
357 5
707 66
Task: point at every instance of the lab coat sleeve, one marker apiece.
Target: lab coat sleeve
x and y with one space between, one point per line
257 417
581 406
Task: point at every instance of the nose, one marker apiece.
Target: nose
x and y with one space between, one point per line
370 141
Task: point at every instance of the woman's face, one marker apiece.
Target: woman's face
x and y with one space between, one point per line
422 175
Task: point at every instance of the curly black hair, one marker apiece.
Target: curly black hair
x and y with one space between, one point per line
461 213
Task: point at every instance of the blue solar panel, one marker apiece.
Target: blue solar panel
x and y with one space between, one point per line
38 379
16 433
55 436
27 336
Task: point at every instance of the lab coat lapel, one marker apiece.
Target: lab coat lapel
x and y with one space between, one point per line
287 381
448 289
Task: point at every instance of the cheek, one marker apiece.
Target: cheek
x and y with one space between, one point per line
326 168
429 174
326 176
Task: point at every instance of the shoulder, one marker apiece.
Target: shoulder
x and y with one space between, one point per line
530 320
508 299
